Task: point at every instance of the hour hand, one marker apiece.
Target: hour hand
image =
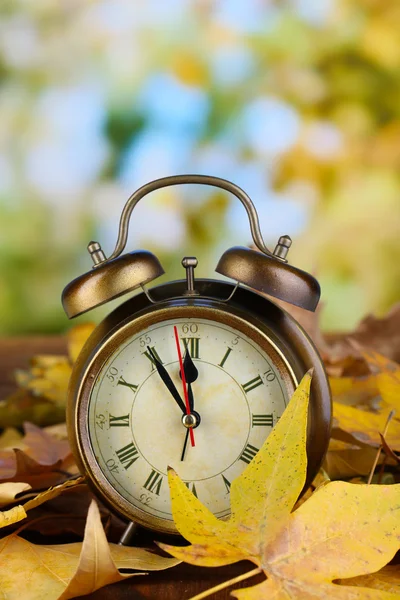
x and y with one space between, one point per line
166 379
191 374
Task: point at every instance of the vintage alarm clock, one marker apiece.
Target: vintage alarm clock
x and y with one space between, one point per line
192 373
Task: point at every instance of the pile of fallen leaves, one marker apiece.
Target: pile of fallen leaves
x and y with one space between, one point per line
42 495
334 543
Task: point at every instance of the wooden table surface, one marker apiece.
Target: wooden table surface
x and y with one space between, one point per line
179 583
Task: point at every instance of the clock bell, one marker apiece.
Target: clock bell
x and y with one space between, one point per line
262 270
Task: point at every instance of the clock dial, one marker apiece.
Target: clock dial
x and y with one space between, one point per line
135 419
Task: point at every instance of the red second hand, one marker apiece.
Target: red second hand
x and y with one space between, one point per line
185 392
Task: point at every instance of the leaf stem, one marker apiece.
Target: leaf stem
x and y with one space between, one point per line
228 583
390 417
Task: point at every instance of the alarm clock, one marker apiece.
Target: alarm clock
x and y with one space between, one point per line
192 374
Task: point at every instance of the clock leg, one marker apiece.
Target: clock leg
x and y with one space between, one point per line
128 534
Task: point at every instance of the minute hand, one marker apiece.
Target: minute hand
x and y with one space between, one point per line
163 373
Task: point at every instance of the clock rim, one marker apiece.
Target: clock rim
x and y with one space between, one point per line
137 313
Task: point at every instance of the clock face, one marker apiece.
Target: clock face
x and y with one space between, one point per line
136 427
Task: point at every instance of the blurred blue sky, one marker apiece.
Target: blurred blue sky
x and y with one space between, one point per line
66 157
99 98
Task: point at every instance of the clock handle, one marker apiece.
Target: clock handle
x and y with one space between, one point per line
264 271
183 179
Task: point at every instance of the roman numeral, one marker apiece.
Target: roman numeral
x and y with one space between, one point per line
131 386
225 358
194 346
128 455
190 486
252 384
148 355
227 484
118 421
248 453
267 420
153 482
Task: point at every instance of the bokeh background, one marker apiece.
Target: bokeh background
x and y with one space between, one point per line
296 101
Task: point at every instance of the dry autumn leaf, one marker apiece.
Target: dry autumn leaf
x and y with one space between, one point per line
58 432
382 335
341 358
38 458
310 321
17 513
11 516
49 375
53 492
387 375
67 514
342 531
43 447
42 392
8 491
355 390
69 570
23 405
366 425
388 451
387 579
77 337
10 438
63 514
20 467
344 460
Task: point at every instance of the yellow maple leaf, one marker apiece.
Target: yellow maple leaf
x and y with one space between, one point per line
387 378
354 390
261 497
342 531
344 460
366 425
49 375
69 570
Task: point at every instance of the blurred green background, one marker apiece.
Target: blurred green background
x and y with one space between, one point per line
298 102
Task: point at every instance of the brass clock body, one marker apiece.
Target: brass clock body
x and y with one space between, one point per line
124 429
